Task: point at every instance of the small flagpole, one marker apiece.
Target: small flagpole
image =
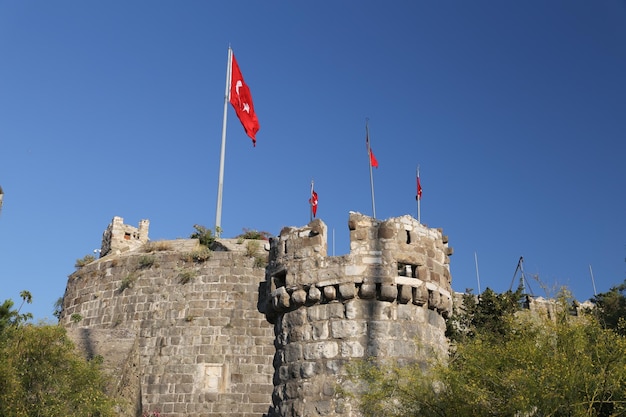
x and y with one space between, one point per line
593 281
220 184
311 203
369 161
477 276
417 196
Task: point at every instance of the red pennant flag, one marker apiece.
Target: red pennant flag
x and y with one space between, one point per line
241 99
419 188
313 202
373 160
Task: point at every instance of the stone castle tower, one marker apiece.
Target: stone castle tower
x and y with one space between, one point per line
191 335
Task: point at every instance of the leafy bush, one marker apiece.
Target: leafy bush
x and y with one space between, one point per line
75 317
146 261
253 235
87 259
41 373
204 235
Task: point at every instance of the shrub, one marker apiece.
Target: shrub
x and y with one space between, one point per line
87 259
260 261
157 246
146 261
186 276
204 235
128 281
254 235
252 247
201 254
75 317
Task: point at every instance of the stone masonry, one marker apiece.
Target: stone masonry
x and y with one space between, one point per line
387 299
226 336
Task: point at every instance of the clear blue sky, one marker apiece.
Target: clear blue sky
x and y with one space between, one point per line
514 110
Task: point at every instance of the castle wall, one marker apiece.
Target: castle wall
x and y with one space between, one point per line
187 337
227 337
387 299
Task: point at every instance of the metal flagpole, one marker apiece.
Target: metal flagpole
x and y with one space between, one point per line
220 185
369 160
592 280
477 276
311 203
417 196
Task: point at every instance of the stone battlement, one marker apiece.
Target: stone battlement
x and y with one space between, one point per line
225 336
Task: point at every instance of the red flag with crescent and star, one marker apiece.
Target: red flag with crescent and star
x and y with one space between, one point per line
313 201
241 99
418 196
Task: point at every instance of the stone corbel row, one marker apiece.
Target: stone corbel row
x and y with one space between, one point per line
406 290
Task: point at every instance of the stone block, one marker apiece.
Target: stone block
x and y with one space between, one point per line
345 329
321 350
347 291
352 349
367 291
330 293
388 292
298 297
405 294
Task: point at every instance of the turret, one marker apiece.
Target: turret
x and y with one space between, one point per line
386 299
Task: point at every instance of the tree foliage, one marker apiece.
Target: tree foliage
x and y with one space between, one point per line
541 366
611 308
489 313
41 374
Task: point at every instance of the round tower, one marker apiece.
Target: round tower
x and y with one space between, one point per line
386 299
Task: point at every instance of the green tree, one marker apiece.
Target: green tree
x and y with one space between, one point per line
12 317
488 314
544 366
611 308
41 374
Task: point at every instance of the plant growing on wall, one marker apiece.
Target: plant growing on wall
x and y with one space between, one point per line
87 259
204 235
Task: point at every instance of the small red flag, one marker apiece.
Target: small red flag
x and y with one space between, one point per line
241 99
313 202
419 188
373 160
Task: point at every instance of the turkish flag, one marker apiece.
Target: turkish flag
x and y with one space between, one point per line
373 160
313 202
419 189
241 99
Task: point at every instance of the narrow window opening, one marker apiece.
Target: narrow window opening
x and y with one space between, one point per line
408 237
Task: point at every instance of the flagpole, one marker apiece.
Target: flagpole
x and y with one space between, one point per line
311 203
369 160
220 184
418 196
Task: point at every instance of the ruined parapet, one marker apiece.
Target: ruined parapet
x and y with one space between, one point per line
387 299
119 237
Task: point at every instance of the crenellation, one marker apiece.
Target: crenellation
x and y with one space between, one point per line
238 340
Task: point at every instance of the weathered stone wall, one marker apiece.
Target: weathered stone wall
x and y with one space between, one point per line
182 337
387 299
119 237
227 337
